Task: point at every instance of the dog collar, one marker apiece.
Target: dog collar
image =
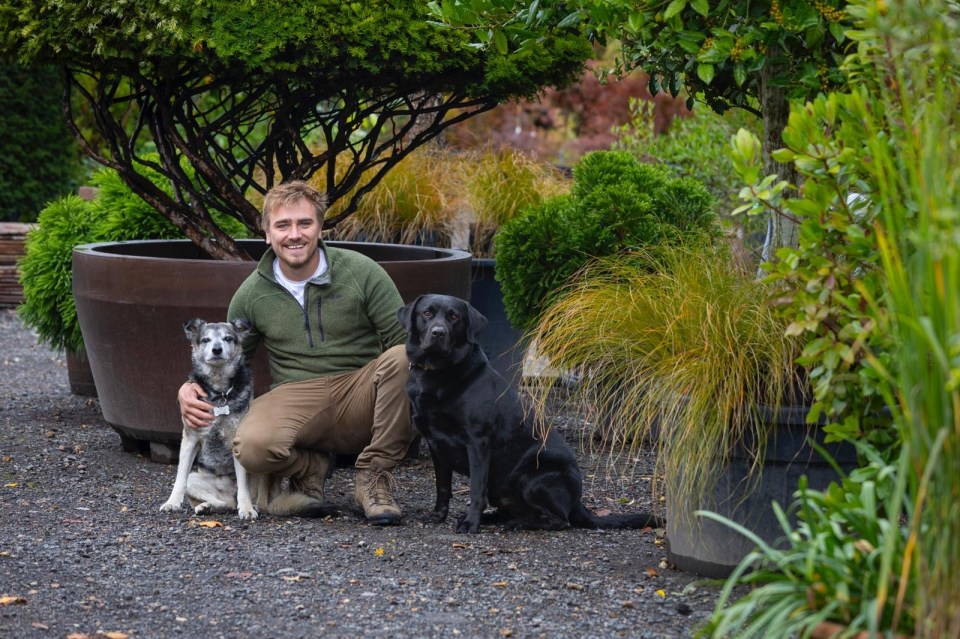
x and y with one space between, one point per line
422 367
220 397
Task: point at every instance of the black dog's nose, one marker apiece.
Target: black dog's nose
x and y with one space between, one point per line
438 331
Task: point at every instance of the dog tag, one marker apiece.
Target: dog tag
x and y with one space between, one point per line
221 410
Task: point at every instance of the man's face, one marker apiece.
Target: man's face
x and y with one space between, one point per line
294 234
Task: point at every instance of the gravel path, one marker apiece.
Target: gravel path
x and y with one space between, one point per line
85 550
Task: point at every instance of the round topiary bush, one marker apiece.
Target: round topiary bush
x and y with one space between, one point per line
617 203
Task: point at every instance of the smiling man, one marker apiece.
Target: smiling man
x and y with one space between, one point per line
327 318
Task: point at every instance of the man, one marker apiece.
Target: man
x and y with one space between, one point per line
328 319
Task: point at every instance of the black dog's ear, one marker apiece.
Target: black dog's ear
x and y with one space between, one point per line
405 314
475 324
193 328
242 327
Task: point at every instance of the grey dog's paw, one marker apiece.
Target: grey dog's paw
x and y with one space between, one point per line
168 506
203 508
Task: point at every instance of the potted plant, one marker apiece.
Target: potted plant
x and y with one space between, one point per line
247 96
46 279
679 345
878 272
46 268
615 203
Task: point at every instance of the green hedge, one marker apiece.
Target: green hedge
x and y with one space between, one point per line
40 160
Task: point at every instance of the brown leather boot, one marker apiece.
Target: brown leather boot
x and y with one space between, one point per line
373 494
311 481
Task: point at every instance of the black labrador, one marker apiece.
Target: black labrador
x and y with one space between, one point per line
474 424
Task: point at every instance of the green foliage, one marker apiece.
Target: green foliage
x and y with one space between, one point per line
836 565
40 159
251 94
716 50
678 336
617 203
124 215
827 279
46 273
872 289
696 146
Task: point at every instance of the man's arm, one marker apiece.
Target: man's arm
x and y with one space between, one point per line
383 303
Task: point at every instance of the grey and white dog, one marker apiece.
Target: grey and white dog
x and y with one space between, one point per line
219 483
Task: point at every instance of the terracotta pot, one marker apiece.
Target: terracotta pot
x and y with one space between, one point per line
713 550
133 297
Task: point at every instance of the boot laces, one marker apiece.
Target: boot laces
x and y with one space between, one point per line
379 487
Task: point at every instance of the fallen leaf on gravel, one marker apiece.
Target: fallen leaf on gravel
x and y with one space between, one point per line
572 586
661 594
78 635
12 484
239 575
652 572
294 578
73 521
379 551
7 458
500 584
210 524
460 546
626 604
40 626
6 600
4 553
114 635
604 512
506 632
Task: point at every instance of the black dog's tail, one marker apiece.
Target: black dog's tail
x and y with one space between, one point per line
583 518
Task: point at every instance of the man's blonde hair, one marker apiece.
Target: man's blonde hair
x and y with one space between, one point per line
290 193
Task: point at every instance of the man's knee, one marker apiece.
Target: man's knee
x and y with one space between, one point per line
393 363
258 452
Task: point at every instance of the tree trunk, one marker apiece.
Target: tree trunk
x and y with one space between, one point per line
775 107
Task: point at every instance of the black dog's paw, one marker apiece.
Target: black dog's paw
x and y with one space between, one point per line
434 517
465 525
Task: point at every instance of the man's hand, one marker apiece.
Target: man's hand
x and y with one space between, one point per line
195 412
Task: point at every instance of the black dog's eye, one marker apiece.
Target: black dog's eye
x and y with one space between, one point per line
428 314
454 317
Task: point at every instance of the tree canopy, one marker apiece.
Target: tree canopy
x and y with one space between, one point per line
249 94
753 54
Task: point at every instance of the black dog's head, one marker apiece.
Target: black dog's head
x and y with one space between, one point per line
441 328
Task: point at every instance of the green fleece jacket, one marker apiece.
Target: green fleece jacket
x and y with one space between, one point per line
349 317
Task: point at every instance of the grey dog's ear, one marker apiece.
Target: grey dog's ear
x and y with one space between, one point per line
475 324
405 314
242 327
192 328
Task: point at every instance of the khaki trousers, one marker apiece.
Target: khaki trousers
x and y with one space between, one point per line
365 412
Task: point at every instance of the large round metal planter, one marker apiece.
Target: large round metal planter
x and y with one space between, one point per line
703 546
133 298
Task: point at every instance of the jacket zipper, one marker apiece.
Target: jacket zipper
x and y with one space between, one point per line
306 326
